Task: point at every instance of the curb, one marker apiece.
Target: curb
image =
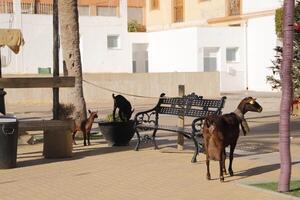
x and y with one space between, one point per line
268 191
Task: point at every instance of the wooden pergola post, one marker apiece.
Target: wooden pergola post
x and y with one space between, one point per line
55 59
180 138
2 92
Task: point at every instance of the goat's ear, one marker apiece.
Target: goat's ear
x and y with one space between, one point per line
90 111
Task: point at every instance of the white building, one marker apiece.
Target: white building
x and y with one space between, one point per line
241 54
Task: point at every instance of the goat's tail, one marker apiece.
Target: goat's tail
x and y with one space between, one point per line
113 96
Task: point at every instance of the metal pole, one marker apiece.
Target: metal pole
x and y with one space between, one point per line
55 59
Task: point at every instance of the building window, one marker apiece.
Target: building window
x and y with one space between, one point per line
113 42
211 57
27 8
154 4
43 8
232 54
178 10
106 11
234 7
83 10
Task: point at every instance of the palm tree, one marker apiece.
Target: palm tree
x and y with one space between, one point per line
286 99
69 26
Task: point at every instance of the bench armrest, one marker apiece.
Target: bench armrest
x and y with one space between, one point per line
148 116
197 125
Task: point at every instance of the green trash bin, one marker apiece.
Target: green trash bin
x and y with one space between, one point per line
8 142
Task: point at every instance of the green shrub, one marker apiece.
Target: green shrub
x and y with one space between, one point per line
109 118
133 26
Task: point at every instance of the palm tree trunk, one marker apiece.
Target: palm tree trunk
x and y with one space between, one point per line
69 26
286 99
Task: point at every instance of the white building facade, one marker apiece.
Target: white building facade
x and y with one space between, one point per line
242 54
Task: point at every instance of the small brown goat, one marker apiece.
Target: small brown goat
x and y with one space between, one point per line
222 131
85 127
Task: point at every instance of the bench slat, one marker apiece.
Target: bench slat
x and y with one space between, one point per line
186 131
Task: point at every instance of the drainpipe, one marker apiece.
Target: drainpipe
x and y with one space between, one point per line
246 54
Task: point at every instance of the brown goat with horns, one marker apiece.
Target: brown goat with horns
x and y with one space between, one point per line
222 131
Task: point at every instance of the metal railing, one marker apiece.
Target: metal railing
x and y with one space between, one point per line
6 7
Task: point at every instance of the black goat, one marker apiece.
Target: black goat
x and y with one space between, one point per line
222 131
124 107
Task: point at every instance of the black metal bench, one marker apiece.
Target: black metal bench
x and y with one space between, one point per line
187 106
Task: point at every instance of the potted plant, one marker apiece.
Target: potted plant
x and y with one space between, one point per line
116 133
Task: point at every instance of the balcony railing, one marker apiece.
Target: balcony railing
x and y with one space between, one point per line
6 7
234 7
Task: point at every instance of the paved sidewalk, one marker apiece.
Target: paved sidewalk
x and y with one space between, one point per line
119 173
101 172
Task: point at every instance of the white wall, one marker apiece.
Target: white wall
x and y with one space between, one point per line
181 50
261 40
260 5
37 51
232 74
173 50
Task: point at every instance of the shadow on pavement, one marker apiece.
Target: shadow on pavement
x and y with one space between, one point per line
257 171
79 152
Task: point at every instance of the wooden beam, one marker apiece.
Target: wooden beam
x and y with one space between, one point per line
55 58
235 18
42 125
37 82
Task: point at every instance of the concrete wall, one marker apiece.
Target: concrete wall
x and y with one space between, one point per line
96 57
259 5
195 11
261 41
181 50
143 84
173 50
232 74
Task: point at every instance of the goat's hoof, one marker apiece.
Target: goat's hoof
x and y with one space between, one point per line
208 177
222 179
84 144
231 173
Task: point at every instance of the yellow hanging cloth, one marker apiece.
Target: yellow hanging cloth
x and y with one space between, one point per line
12 38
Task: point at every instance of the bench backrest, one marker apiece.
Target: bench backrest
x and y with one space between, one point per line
191 105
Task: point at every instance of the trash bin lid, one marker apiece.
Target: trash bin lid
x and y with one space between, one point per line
7 119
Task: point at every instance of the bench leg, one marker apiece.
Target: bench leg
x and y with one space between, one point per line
194 159
154 141
138 140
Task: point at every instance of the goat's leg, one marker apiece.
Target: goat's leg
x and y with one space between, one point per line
84 137
114 111
224 167
154 141
207 167
221 163
232 147
73 136
194 159
88 137
138 139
